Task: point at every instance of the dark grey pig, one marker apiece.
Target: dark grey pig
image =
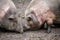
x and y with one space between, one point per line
7 15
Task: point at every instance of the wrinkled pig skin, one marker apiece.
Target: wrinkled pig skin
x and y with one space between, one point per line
45 11
7 14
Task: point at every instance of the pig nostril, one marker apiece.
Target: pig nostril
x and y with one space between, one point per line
29 19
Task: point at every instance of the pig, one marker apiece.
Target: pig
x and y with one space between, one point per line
8 11
41 12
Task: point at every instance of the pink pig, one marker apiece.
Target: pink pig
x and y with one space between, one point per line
41 12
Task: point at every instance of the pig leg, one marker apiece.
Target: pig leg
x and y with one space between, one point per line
45 24
49 23
49 29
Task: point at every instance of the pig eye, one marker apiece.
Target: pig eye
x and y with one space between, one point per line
29 19
11 19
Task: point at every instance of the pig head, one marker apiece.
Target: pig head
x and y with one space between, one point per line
41 11
7 12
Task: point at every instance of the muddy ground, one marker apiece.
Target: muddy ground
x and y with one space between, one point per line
30 35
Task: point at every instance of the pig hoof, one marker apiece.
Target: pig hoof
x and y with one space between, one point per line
48 30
